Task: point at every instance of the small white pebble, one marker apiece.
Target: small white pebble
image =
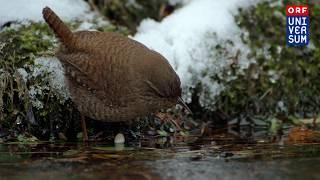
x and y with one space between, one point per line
119 139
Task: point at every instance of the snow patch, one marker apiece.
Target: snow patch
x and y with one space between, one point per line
52 66
176 2
189 36
20 10
51 69
23 73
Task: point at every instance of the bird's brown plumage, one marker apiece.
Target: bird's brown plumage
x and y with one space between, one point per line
112 77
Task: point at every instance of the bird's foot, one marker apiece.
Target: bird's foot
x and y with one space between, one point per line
84 129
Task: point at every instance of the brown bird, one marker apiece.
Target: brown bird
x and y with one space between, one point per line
111 77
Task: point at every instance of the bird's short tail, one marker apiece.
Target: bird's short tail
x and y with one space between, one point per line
59 28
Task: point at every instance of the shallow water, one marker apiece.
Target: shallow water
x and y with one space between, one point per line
205 158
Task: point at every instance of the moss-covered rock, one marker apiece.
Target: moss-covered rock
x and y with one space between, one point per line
19 47
33 97
284 80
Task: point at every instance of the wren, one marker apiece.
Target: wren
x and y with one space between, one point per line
112 77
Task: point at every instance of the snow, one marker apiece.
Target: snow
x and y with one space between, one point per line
86 26
19 10
176 2
56 78
187 39
34 91
54 75
23 73
89 25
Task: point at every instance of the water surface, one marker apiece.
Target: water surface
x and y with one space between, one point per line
204 158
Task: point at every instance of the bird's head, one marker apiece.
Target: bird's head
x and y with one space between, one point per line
163 80
171 91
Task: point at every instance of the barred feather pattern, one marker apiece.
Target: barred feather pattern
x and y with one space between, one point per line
112 77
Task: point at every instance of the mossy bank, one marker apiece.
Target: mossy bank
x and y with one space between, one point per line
282 82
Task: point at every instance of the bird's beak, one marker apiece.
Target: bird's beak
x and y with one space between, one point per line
183 104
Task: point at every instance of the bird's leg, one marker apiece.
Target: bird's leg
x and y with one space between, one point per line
84 128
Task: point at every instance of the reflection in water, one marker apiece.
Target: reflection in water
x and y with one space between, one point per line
71 161
212 168
206 158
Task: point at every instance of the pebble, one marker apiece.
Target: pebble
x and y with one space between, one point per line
119 139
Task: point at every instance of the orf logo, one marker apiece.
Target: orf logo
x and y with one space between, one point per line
297 28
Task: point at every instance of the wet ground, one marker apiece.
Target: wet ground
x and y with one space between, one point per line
214 157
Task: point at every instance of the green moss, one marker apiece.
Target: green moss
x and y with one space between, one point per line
28 103
285 80
112 28
20 46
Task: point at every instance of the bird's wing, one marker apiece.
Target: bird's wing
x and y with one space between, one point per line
80 68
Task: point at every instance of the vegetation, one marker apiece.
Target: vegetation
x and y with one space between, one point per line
29 104
19 47
284 80
131 13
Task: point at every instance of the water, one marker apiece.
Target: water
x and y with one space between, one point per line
184 159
